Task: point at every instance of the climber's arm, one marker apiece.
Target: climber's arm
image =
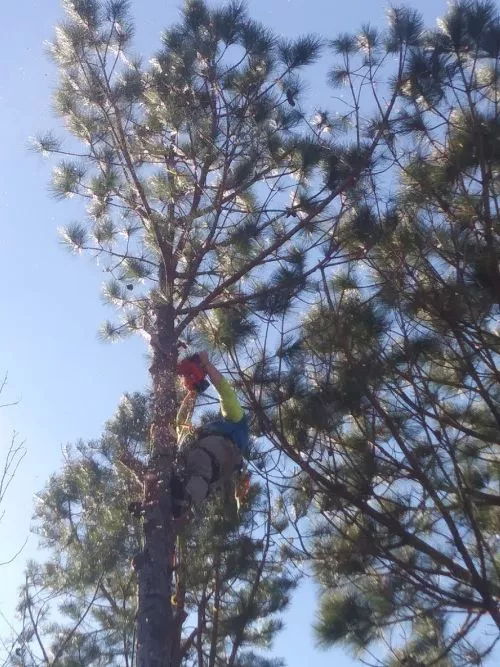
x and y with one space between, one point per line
229 403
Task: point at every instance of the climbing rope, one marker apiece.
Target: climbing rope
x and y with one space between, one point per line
179 544
241 488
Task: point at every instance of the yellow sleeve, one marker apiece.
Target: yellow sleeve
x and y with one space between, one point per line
229 403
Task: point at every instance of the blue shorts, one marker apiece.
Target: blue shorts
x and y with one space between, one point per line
238 432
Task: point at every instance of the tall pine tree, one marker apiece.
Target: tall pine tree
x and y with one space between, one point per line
209 197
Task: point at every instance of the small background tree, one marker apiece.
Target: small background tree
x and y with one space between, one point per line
11 460
78 606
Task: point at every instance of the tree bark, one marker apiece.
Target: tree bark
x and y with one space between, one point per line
154 563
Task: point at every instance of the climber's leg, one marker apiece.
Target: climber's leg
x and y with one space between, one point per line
210 463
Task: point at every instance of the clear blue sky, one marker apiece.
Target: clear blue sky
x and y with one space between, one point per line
66 381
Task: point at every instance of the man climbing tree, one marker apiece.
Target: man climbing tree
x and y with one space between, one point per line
216 449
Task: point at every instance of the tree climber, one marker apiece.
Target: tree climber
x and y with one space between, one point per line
214 451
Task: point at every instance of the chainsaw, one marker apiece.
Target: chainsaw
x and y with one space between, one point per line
193 374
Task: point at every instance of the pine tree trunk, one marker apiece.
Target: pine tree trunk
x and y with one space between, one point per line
154 615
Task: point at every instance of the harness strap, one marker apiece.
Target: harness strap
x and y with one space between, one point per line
215 465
